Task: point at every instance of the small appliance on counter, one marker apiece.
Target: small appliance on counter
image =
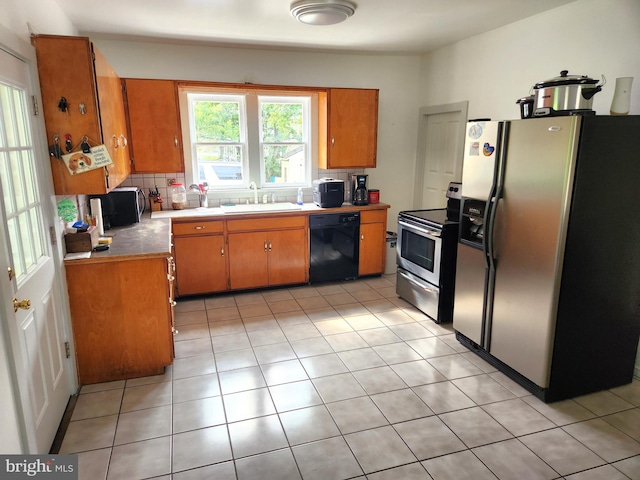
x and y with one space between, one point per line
359 193
328 192
122 206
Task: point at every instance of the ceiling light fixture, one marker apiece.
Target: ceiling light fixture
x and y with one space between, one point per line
322 12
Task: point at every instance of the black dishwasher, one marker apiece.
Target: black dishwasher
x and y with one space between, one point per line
333 246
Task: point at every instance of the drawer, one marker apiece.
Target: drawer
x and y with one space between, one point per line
373 216
279 222
197 228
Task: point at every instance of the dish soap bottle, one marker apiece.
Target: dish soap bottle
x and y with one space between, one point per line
300 197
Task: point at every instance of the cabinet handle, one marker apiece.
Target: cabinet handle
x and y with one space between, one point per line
265 245
124 140
270 246
362 236
171 278
221 251
173 303
199 227
333 141
175 141
116 142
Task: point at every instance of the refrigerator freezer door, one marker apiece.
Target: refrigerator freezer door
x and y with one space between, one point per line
480 153
529 237
468 313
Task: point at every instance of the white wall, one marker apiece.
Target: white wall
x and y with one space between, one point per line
395 76
493 70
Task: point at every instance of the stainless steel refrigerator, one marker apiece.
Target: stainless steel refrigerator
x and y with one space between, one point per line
548 267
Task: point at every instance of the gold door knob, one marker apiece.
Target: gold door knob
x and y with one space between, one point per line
24 304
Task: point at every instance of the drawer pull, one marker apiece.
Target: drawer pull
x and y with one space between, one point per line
175 140
199 227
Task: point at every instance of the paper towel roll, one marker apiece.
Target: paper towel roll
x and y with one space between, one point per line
96 211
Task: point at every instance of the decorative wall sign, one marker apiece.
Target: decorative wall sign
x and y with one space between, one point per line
81 162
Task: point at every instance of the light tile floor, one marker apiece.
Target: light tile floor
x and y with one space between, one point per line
340 381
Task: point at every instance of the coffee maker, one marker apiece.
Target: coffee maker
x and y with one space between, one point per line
359 193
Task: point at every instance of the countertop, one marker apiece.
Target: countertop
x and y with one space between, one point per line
218 214
149 238
152 236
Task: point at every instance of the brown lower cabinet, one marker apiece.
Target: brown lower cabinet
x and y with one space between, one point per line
200 251
245 253
122 317
373 231
266 253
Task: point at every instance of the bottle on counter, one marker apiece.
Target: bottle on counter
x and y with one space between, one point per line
178 196
300 197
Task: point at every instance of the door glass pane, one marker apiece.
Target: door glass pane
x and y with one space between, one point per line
22 129
16 177
20 187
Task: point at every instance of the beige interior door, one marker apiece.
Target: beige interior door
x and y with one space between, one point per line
34 329
439 155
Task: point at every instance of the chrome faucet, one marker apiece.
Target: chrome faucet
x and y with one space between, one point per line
202 190
254 187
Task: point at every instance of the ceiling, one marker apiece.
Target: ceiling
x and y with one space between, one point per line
378 26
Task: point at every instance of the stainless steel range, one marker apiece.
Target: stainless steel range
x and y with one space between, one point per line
426 257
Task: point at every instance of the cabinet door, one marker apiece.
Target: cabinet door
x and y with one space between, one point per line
122 331
372 248
154 126
112 119
65 69
248 260
201 264
352 128
288 250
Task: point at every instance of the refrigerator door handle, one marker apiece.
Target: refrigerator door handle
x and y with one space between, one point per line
491 250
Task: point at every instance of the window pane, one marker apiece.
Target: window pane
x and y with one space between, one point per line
219 164
16 246
284 163
217 173
281 122
217 121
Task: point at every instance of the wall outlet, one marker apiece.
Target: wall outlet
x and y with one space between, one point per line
170 181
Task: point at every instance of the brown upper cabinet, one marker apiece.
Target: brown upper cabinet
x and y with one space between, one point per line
154 126
74 69
348 128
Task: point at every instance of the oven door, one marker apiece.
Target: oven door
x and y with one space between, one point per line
418 250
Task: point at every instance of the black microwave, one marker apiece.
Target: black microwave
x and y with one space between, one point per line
122 206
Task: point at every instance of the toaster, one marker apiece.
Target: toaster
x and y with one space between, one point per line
328 192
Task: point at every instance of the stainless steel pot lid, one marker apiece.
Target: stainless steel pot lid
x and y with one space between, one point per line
566 79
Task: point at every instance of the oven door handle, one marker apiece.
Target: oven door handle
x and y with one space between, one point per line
417 282
432 233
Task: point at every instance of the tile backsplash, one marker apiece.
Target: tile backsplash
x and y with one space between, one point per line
148 182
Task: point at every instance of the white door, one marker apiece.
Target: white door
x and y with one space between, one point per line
35 327
439 156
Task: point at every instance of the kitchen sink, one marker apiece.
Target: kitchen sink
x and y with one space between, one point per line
260 207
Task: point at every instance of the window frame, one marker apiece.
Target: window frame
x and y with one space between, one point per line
242 142
306 135
255 168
